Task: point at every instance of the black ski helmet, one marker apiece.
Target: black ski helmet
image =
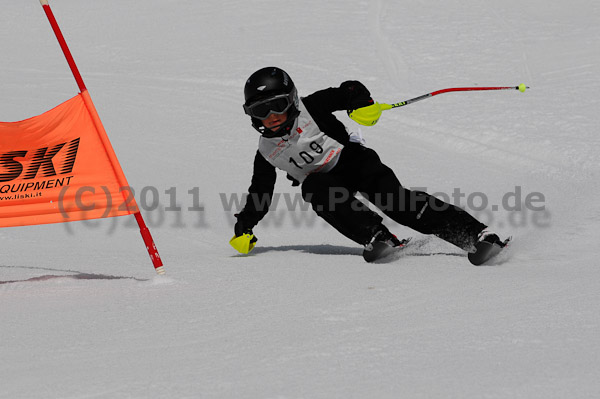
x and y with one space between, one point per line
265 87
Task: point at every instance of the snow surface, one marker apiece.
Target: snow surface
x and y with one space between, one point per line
84 316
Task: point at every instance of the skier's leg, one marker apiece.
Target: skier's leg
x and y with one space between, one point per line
338 206
416 209
430 215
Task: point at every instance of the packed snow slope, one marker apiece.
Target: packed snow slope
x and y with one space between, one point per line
83 314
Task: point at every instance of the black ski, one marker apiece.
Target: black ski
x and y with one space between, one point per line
486 250
380 250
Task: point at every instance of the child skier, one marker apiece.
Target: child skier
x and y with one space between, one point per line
303 138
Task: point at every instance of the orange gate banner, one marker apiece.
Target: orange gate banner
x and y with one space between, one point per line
60 167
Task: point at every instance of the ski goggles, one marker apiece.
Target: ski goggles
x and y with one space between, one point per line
278 104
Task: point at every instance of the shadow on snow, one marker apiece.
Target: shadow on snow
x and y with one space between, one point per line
74 276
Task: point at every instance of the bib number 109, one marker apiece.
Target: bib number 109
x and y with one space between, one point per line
306 157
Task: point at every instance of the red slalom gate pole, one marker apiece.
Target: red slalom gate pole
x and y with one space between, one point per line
63 45
149 242
144 231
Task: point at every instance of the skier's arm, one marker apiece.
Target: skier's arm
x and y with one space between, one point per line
260 194
351 94
321 105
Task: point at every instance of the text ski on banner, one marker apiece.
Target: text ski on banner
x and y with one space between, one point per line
56 168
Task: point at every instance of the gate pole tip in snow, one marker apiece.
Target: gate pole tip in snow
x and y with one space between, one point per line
145 232
150 246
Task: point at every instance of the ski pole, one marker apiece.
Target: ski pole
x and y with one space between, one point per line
369 115
520 87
